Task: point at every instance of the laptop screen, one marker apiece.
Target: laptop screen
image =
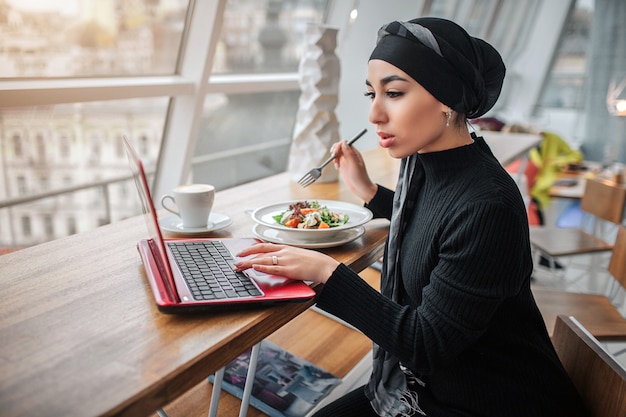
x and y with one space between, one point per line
149 212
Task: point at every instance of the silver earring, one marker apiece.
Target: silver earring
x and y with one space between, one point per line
448 116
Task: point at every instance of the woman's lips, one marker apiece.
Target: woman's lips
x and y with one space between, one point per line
385 140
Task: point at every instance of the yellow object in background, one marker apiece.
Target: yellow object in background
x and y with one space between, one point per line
550 157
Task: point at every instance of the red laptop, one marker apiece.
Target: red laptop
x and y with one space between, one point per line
191 275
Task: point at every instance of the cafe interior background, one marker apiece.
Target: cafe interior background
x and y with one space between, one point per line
208 90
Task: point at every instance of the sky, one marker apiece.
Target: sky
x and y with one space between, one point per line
64 6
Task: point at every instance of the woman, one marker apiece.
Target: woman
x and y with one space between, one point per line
455 328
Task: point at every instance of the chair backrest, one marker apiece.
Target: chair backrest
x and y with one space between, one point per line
599 378
604 199
617 265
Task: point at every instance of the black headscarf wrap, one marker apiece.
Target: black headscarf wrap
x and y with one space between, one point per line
462 72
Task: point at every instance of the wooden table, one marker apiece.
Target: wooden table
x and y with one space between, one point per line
80 334
571 184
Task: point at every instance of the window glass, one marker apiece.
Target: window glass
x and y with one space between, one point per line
477 16
48 149
511 20
499 22
66 38
442 8
244 137
264 35
566 82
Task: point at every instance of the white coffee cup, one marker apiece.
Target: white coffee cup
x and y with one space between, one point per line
194 203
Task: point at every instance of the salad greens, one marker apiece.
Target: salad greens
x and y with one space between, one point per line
310 215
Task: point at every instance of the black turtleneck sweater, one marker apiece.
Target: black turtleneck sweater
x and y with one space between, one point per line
468 325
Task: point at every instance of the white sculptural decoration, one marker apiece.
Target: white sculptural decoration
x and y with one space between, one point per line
316 127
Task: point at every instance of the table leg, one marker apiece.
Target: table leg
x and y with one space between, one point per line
215 394
247 390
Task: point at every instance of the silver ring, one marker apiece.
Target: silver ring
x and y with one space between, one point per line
274 260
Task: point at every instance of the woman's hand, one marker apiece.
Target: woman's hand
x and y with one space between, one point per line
288 261
352 168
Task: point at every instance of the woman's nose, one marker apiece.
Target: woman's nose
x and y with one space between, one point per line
377 114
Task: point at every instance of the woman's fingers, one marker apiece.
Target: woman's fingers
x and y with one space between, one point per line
259 248
287 261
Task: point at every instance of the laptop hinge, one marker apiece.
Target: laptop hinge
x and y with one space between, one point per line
164 273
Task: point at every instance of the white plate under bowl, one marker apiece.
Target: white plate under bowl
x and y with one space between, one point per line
217 221
279 236
357 216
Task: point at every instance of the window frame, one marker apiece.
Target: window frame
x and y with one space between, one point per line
186 90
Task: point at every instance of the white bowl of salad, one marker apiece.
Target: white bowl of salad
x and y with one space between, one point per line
314 220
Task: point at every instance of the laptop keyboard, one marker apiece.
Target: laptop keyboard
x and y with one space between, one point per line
207 267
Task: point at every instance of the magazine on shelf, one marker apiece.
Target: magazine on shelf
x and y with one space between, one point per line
285 385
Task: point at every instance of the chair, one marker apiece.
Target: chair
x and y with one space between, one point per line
602 200
596 312
598 377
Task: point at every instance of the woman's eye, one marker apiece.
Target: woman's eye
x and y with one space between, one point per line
394 94
369 94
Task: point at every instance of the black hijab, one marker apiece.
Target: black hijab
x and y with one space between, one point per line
462 72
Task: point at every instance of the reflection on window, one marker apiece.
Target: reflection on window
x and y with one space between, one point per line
265 35
90 37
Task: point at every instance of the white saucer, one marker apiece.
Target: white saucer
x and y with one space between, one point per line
174 224
277 236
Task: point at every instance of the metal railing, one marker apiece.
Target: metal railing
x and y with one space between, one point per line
105 184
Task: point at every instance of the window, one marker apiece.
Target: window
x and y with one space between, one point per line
17 145
41 147
565 85
22 189
44 182
260 36
48 226
90 38
26 226
64 147
245 135
71 226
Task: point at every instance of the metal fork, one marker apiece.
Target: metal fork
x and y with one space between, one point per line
314 174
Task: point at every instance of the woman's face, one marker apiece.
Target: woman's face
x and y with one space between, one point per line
407 117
